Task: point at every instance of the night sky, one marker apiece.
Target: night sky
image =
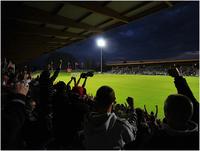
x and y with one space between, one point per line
169 34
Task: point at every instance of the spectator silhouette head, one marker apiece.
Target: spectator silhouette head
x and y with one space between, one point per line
178 110
105 97
78 90
61 87
140 115
45 74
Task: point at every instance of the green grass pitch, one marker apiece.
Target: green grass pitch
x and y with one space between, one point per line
145 89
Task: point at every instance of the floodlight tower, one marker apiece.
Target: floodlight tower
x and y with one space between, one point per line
101 43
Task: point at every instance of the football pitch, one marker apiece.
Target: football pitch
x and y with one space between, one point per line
145 89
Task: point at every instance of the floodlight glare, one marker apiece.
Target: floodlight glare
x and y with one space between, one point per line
101 42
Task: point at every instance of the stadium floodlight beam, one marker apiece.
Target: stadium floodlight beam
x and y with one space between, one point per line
101 43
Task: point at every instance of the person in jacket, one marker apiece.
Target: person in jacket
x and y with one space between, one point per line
183 88
13 118
103 129
179 129
46 92
46 88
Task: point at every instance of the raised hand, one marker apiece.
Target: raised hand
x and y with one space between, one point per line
174 72
145 109
72 78
130 102
60 65
22 88
156 114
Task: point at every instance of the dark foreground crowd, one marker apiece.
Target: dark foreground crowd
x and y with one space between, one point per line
38 114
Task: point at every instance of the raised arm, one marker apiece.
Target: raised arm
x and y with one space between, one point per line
156 114
181 84
55 74
129 134
81 76
70 81
130 102
74 81
145 109
78 81
183 88
72 78
13 118
84 83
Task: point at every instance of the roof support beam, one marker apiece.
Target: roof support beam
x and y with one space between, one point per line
57 10
21 44
39 38
34 14
33 29
125 12
140 15
168 3
101 10
149 11
136 7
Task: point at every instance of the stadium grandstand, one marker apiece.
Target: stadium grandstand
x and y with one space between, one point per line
189 67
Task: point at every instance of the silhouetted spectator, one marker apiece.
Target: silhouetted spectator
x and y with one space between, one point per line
103 129
68 117
45 104
80 90
143 132
178 131
183 88
13 118
46 87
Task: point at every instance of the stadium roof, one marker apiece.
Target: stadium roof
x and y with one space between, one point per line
30 29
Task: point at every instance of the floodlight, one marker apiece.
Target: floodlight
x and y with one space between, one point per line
101 42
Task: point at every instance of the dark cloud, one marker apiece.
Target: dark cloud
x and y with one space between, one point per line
186 55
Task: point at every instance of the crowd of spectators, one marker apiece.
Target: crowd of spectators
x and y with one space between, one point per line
40 114
186 70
